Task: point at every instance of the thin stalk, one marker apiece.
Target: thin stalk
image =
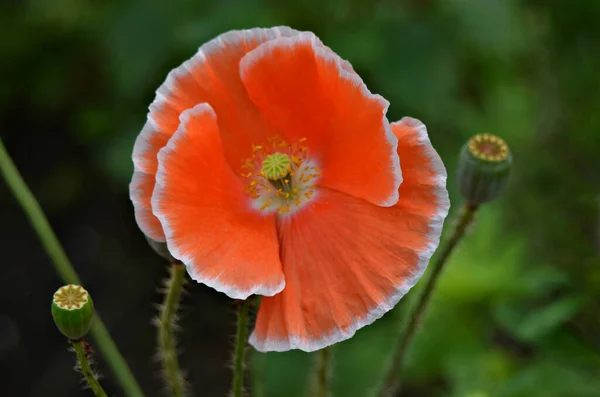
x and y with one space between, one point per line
86 369
259 362
166 338
258 374
322 372
237 387
392 384
65 270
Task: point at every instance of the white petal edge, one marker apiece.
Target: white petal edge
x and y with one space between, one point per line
347 73
191 266
436 225
141 145
142 213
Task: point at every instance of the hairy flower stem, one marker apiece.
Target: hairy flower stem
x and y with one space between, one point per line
322 372
259 362
64 269
166 338
86 369
237 387
392 384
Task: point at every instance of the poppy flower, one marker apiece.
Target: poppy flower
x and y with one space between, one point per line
269 168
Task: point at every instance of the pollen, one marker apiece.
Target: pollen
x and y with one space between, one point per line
282 176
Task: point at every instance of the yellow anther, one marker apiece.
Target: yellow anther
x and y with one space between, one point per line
266 204
281 179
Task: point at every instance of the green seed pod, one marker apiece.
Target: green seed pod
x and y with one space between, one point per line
73 310
483 168
161 249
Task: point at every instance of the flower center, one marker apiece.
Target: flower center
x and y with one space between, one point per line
488 147
275 166
281 176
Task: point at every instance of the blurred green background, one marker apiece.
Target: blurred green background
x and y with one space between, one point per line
516 313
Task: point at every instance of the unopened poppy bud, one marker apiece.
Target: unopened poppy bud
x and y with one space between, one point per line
161 249
483 168
73 310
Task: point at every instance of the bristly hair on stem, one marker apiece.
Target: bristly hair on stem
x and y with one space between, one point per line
241 340
84 366
259 360
166 324
391 383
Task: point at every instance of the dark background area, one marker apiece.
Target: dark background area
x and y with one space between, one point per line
517 310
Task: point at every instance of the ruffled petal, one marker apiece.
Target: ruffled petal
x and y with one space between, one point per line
306 91
140 191
204 211
347 262
211 76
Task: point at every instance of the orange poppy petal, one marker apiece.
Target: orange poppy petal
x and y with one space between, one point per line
206 215
307 91
347 262
140 191
211 76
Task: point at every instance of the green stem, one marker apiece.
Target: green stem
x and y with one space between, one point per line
392 384
259 362
86 369
166 338
237 387
65 270
322 372
258 374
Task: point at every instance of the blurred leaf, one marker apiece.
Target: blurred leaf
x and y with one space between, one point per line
288 374
547 379
530 325
501 38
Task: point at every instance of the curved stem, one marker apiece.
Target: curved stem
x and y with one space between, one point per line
64 269
86 369
237 387
392 383
322 372
166 339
